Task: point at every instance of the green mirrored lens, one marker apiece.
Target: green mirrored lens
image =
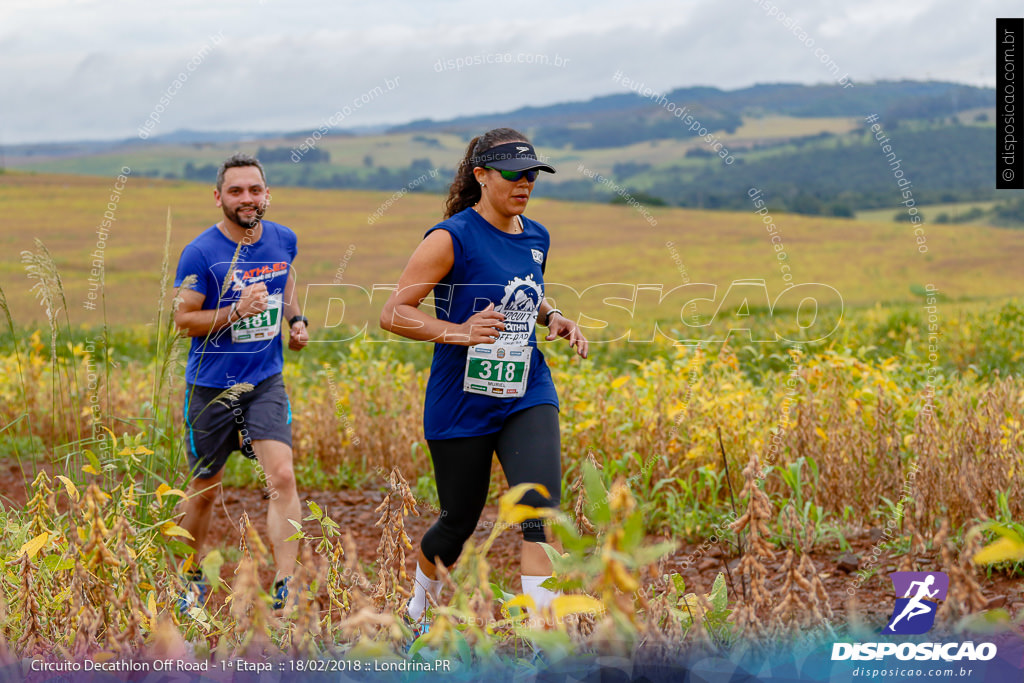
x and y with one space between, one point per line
514 176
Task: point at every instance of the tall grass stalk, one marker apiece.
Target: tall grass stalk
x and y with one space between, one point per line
27 415
49 289
165 444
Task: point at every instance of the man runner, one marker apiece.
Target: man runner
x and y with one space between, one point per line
244 287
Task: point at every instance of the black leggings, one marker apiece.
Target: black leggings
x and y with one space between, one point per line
528 450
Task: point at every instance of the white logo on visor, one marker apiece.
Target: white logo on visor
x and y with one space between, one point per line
522 149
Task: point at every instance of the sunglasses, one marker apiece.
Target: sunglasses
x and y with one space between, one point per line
514 176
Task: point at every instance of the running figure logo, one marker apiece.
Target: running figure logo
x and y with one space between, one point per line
916 596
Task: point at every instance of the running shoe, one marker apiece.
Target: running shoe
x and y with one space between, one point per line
281 592
418 626
195 591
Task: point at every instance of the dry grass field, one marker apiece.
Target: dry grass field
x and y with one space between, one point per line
865 261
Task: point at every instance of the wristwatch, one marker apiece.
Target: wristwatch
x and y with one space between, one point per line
547 320
298 319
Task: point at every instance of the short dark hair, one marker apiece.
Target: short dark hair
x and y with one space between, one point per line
237 161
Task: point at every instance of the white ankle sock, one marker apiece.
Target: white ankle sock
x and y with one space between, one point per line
418 603
542 597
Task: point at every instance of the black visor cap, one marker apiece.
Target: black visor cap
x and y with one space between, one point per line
512 156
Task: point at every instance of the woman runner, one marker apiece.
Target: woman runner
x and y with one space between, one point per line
490 390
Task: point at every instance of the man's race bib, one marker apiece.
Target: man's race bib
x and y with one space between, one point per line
261 326
499 371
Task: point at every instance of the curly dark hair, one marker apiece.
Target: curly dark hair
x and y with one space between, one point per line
465 190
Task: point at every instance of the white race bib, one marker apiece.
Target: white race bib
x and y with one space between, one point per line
259 327
499 371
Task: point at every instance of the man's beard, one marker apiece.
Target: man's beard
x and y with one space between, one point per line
250 223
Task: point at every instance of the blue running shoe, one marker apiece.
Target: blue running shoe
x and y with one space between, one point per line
418 626
195 591
281 592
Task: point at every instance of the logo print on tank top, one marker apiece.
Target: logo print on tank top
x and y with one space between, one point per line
519 304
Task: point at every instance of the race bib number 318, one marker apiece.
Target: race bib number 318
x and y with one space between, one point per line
499 371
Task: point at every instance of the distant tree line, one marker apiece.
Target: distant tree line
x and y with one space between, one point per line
943 164
622 132
280 155
266 155
816 175
1009 213
371 178
206 173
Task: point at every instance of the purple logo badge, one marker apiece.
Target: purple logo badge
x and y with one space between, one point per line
917 596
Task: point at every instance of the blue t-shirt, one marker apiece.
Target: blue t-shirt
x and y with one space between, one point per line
252 351
490 266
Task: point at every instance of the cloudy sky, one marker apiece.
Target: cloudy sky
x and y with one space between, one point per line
98 69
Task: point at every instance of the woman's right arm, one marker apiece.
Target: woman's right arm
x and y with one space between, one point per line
431 261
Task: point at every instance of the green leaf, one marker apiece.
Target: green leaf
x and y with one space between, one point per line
679 583
662 482
501 594
597 495
211 565
633 531
552 583
570 538
571 585
177 547
316 510
718 596
91 457
417 645
56 563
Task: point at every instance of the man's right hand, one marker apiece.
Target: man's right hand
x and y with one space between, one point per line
253 300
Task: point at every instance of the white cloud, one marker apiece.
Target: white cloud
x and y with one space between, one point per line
73 70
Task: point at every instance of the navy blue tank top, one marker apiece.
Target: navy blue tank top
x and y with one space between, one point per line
490 266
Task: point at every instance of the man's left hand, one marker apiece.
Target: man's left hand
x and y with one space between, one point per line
298 336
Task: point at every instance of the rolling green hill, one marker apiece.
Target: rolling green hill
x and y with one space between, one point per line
807 147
